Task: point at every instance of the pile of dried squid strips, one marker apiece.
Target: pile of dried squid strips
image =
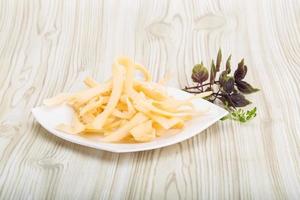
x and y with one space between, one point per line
124 109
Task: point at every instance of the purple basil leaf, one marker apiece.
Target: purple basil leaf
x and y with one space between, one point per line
229 101
228 84
239 100
241 71
245 87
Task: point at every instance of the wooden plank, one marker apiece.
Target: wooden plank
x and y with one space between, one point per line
45 46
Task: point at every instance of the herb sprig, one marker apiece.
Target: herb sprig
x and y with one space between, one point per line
228 89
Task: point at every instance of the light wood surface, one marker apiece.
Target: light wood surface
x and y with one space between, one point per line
45 46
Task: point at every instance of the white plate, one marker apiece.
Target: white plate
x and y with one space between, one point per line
49 117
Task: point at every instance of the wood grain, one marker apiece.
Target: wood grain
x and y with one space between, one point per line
45 46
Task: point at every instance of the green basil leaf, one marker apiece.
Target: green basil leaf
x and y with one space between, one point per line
219 59
228 65
213 72
200 73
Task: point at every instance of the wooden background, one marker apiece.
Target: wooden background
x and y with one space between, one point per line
45 46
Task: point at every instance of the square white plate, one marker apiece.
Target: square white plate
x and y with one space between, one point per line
49 117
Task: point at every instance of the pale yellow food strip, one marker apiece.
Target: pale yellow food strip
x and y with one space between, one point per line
143 132
147 106
91 106
160 132
123 131
84 96
90 82
59 99
172 104
152 93
125 115
113 125
110 120
165 122
76 126
145 72
87 118
174 107
124 109
117 86
129 65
